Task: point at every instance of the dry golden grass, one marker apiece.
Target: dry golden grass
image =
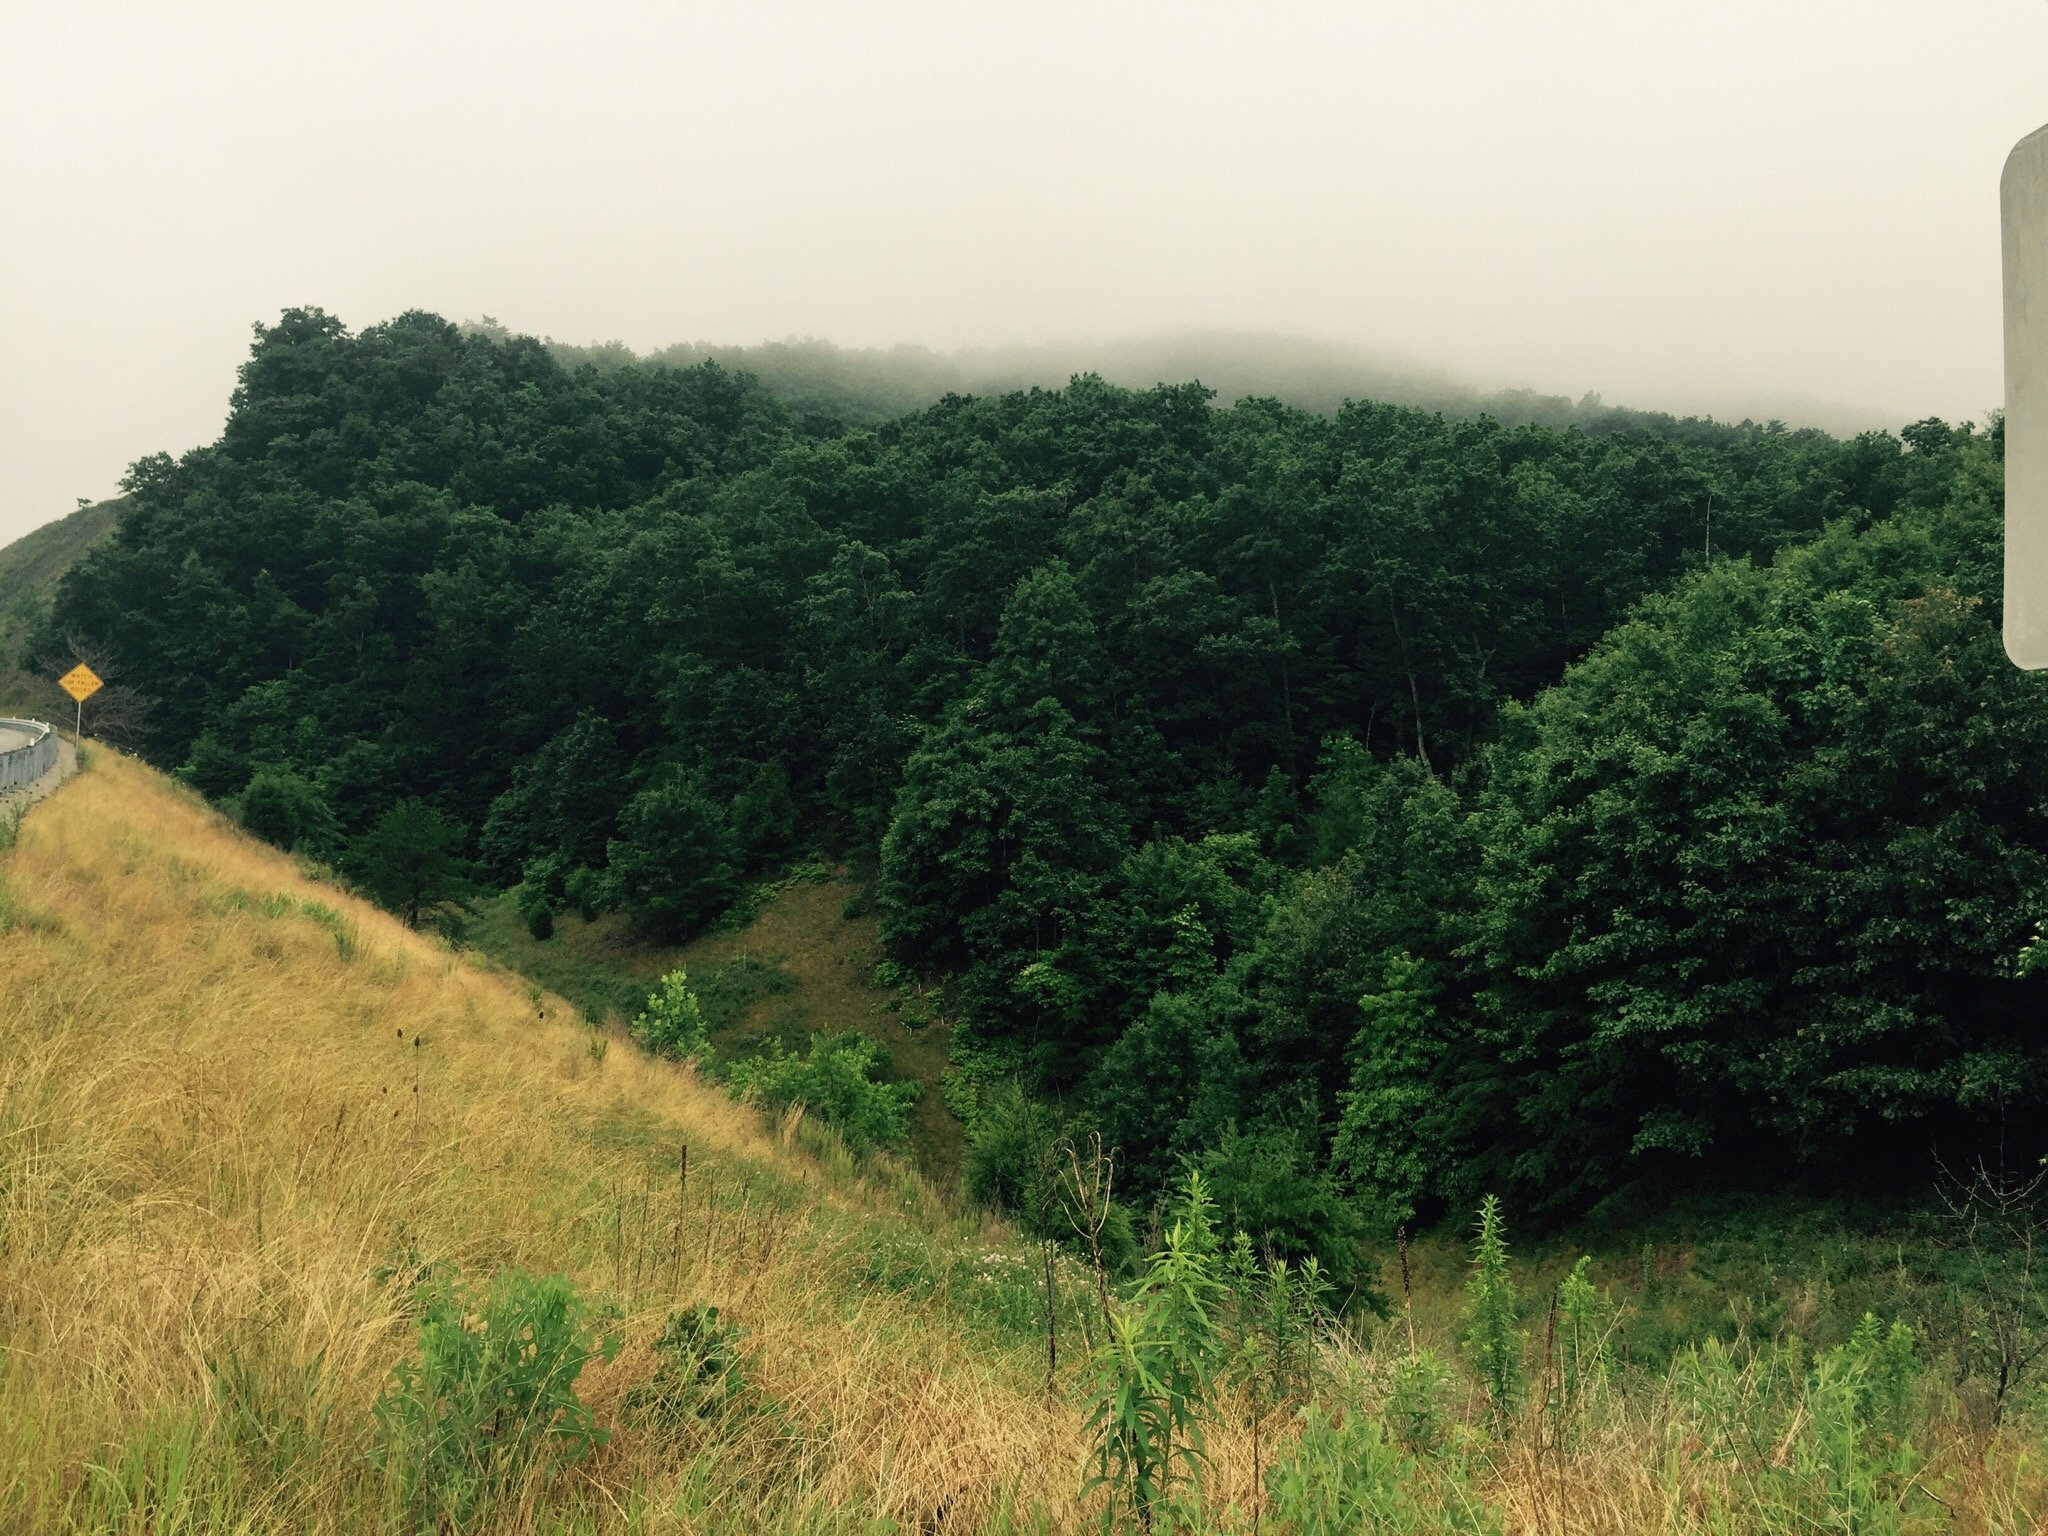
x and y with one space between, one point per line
216 1127
226 1120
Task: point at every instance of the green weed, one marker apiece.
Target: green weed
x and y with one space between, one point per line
492 1394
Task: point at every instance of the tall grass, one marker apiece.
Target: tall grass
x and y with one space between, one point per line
231 1140
253 1133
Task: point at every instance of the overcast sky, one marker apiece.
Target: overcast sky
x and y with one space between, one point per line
1680 205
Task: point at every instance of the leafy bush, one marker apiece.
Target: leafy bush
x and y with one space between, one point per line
1418 1397
492 1395
1823 1447
699 1372
1267 1182
672 1023
282 808
833 1079
1342 1475
542 893
1852 1464
1010 1140
671 866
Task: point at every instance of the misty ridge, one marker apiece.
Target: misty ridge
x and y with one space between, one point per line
866 386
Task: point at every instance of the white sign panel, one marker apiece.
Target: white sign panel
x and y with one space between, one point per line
2023 197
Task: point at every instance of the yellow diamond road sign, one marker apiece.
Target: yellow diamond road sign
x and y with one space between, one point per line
81 682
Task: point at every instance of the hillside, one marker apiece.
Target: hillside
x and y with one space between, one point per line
1373 810
239 1108
866 386
250 1128
801 960
30 569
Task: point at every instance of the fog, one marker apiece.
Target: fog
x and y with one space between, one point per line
1785 208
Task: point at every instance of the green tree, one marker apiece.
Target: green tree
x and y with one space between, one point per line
411 861
282 808
1383 1143
671 865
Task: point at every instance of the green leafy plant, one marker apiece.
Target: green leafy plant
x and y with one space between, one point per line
491 1395
283 808
1578 1343
1493 1341
699 1371
1418 1396
834 1079
1341 1476
1276 1311
1154 1374
1851 1465
672 1023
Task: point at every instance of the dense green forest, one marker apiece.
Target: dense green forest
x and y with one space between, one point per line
1374 808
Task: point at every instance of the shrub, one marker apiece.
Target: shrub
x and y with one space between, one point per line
282 808
542 893
492 1396
699 1372
671 866
1417 1402
1852 1465
584 889
1010 1141
1267 1183
1342 1476
833 1079
672 1023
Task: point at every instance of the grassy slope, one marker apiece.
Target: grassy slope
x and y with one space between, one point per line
804 964
30 569
218 1120
233 1099
1690 1267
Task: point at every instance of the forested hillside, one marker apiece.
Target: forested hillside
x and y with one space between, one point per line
30 569
1371 808
866 386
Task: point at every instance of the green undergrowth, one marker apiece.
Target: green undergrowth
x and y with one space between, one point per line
1732 1267
607 978
798 958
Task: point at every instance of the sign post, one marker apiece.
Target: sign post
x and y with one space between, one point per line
81 682
2023 208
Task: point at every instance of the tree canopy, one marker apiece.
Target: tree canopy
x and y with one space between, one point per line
1373 804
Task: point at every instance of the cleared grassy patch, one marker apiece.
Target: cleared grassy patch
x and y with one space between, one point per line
803 963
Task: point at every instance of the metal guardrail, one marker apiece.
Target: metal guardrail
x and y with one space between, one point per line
24 765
